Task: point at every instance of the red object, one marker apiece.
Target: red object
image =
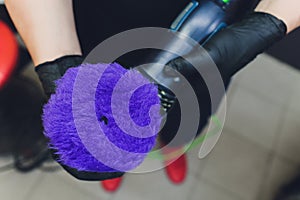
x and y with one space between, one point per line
176 169
111 185
8 53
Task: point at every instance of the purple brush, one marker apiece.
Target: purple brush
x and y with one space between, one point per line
102 118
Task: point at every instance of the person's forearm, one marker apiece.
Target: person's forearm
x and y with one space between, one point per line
46 26
286 10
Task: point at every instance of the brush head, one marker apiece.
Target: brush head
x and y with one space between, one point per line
102 118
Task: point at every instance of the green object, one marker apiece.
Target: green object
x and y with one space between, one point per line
226 1
157 155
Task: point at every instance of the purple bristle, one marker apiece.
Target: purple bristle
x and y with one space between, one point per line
92 151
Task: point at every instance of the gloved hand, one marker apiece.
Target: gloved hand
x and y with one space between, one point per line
48 73
231 49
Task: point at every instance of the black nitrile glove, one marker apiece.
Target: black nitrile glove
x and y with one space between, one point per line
231 49
48 73
234 47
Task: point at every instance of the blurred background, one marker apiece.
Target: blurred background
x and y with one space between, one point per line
257 154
